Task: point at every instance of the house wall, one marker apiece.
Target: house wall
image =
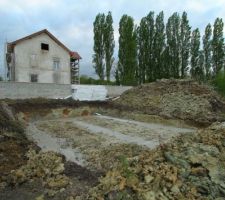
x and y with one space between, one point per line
42 64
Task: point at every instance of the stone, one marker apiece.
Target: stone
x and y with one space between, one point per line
41 197
174 160
148 178
7 111
2 185
62 190
199 171
175 189
58 182
51 193
70 198
150 195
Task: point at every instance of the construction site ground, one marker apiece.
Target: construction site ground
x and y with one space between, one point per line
57 149
86 139
91 142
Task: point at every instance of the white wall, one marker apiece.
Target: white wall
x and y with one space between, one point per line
16 90
44 65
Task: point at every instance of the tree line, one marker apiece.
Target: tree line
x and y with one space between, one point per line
155 49
103 45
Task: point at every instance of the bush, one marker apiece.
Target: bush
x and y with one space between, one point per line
219 83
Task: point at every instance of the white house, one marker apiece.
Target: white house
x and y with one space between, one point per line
42 58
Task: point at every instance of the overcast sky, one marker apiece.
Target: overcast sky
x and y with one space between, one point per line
71 21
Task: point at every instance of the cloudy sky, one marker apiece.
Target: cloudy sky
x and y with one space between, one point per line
71 21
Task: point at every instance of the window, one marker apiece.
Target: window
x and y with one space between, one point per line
56 63
33 60
34 78
44 46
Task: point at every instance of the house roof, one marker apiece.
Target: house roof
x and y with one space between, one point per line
72 54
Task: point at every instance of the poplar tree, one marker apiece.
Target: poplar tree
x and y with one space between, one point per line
218 46
168 52
117 77
167 60
142 50
185 37
98 57
127 63
173 44
195 52
151 34
158 46
200 75
207 49
109 44
145 47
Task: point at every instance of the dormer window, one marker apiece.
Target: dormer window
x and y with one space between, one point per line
44 46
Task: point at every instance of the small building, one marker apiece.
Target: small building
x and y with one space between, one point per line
41 58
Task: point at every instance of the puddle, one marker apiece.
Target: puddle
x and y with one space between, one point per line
60 145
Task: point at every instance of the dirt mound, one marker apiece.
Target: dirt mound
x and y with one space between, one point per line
46 166
17 166
8 121
180 99
13 143
12 151
192 167
28 173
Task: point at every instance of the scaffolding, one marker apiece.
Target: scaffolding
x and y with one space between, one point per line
9 62
75 67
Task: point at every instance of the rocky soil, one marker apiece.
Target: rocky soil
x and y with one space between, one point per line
28 173
180 99
191 167
13 143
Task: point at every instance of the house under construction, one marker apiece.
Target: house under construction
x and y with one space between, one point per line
42 58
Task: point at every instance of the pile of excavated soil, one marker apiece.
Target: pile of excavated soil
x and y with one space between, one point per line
12 154
192 167
28 173
13 143
46 166
16 165
8 121
176 99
